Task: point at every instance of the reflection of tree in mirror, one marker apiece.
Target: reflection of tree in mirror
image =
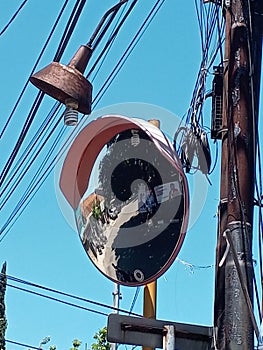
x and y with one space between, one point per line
125 163
96 210
92 218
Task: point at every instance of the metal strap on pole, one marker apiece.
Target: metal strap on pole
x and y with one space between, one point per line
169 338
227 235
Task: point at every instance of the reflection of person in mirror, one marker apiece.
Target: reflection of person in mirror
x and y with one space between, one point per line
150 201
173 191
141 205
142 208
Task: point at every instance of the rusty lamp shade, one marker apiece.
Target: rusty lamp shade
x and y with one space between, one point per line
66 82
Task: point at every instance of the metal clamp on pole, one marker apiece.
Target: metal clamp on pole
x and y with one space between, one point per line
169 338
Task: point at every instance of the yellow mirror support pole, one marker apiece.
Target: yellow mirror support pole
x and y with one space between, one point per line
149 303
149 307
150 290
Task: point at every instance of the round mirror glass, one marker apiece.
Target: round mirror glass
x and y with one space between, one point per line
131 218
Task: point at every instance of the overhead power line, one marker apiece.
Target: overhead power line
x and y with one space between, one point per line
136 294
27 196
35 65
13 17
34 285
21 344
158 4
58 300
65 39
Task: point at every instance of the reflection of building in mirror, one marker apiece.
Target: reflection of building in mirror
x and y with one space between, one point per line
167 191
91 214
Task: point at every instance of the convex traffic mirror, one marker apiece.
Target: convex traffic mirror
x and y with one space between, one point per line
126 185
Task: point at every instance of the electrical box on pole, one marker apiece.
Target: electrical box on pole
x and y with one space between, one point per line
217 103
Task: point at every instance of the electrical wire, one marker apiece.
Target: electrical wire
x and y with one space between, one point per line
22 136
155 9
13 17
126 52
110 79
204 50
112 37
69 29
58 300
15 214
193 267
199 90
137 292
21 344
30 118
103 55
211 29
35 183
34 67
47 289
57 56
20 170
103 27
71 23
27 283
67 33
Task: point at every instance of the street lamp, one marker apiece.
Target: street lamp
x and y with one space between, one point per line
66 83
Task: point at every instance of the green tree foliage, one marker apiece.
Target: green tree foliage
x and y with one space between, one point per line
101 340
76 344
100 344
3 321
96 210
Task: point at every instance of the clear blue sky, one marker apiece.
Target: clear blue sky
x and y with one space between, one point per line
41 247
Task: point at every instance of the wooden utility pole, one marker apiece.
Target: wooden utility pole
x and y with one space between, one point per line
233 317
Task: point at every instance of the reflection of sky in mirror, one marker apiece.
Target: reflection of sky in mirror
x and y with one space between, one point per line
94 176
93 184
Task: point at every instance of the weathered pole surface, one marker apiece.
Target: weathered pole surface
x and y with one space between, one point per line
233 319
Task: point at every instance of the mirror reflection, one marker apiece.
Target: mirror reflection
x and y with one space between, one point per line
130 221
